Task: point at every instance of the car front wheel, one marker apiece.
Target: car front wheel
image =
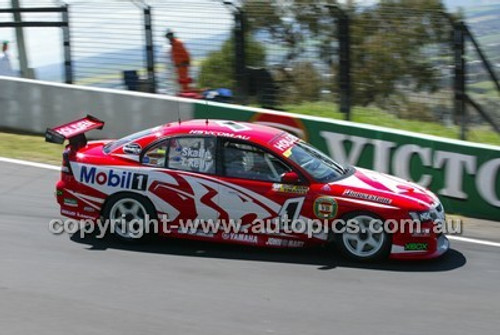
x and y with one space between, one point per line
363 238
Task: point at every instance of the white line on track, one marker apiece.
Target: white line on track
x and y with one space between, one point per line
32 164
473 240
57 168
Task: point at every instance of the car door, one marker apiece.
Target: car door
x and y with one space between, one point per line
253 189
184 186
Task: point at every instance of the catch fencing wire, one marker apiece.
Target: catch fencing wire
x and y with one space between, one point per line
107 38
203 27
403 64
479 83
301 54
44 45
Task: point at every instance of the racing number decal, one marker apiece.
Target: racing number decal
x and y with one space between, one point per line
234 126
290 210
139 181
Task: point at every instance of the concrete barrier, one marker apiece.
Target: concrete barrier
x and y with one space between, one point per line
32 106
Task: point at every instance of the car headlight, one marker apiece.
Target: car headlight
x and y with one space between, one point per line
422 216
435 214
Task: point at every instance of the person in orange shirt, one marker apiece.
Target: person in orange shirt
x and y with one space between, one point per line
181 60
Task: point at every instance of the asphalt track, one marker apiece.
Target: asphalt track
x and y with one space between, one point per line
65 285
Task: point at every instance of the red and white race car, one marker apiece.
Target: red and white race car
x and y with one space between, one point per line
238 177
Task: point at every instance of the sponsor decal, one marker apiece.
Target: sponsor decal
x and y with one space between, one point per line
279 242
70 202
416 246
187 231
75 127
89 209
219 133
422 233
325 207
284 142
326 188
132 149
76 214
294 243
122 179
274 242
241 237
68 213
59 192
365 196
285 188
84 216
199 159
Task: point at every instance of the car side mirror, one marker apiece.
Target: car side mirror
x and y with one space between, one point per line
290 178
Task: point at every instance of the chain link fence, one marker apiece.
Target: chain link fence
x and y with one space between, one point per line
403 63
203 27
479 84
109 40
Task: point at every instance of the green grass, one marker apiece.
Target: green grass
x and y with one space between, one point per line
377 117
485 85
31 148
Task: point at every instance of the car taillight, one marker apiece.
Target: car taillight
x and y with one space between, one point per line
66 167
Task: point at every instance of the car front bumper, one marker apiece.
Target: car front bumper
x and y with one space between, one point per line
436 247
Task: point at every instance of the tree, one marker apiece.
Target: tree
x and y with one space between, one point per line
217 70
398 43
298 84
390 41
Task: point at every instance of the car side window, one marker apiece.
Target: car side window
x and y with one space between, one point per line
156 156
196 154
242 160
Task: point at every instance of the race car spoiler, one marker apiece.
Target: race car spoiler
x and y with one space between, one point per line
73 131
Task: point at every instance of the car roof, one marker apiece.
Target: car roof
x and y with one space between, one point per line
252 132
256 133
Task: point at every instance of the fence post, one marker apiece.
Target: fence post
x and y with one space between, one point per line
150 57
459 85
68 66
343 22
240 54
21 47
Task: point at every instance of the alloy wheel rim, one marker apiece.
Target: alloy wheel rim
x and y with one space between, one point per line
368 240
128 216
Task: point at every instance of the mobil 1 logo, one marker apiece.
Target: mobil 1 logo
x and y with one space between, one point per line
111 178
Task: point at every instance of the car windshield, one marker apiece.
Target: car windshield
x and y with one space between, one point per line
321 167
112 146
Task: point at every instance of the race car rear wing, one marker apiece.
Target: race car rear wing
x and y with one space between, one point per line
73 131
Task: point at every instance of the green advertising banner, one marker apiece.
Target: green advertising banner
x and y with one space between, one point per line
465 176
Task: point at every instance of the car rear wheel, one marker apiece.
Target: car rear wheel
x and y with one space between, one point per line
363 238
130 217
